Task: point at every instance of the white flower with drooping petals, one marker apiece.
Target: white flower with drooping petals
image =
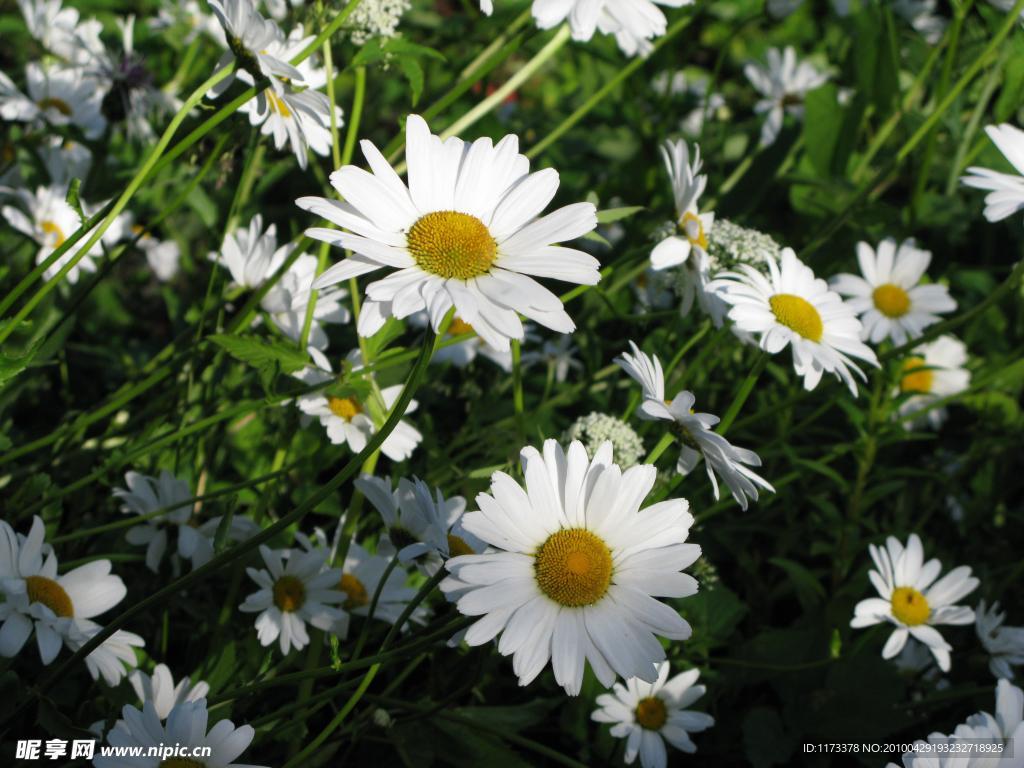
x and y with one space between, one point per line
1007 195
793 307
1004 645
649 714
888 298
693 430
248 36
578 570
60 95
287 301
931 372
186 728
783 85
293 594
59 608
161 690
249 253
461 234
912 600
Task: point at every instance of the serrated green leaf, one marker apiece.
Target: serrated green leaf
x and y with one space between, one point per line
369 53
614 214
414 74
74 199
356 387
401 45
258 352
12 366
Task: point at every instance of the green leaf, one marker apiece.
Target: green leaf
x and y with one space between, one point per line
258 352
220 538
12 366
614 214
487 471
401 45
823 121
391 330
357 387
596 238
808 589
414 74
765 741
512 718
74 200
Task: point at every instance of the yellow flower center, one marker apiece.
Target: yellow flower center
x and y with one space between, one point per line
574 567
695 231
181 762
891 300
289 593
651 713
910 606
50 228
59 104
344 407
355 590
918 381
278 104
51 594
459 327
452 244
458 546
797 313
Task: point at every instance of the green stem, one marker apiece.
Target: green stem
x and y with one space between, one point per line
354 118
743 394
991 83
517 387
373 608
666 440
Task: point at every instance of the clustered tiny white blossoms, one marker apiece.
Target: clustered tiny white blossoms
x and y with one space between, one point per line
376 18
783 84
595 428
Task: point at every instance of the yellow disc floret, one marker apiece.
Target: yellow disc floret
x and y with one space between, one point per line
59 104
910 606
891 300
356 591
278 104
51 594
452 244
797 313
458 546
345 407
574 567
919 380
289 593
50 228
459 327
694 232
651 713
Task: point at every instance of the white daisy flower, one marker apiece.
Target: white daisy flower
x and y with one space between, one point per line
888 298
362 573
161 255
249 253
50 222
293 594
59 608
60 95
195 541
65 160
189 15
911 601
186 731
561 354
941 751
462 233
793 307
649 714
346 418
301 117
689 248
59 31
693 430
287 301
465 352
1006 728
248 35
783 85
161 690
1004 645
579 569
931 372
1007 195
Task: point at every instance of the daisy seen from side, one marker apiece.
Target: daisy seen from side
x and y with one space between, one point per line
1004 644
462 233
783 83
911 599
577 568
1006 195
161 690
248 36
932 372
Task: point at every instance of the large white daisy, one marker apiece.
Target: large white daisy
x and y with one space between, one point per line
791 306
1004 644
693 430
60 95
184 741
1007 195
59 608
931 372
248 36
578 570
912 600
292 594
888 298
649 714
783 84
462 233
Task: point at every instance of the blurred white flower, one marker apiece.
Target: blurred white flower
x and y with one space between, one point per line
1005 729
1004 645
65 160
922 17
1007 195
189 15
561 354
248 35
59 31
59 95
783 85
932 372
161 255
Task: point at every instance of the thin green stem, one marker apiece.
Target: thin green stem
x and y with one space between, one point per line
517 387
743 394
373 607
353 119
666 440
991 83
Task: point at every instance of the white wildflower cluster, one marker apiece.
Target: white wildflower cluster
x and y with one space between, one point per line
376 18
730 245
595 428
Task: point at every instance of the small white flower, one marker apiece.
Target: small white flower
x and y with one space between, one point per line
248 35
783 85
1005 645
161 255
922 17
462 233
65 160
561 354
888 298
793 307
912 600
293 594
161 690
1007 195
59 608
60 95
346 419
693 430
186 728
249 253
595 428
932 372
649 714
578 568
